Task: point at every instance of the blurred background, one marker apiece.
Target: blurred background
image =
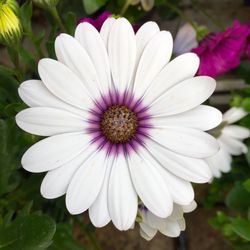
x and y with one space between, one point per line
27 221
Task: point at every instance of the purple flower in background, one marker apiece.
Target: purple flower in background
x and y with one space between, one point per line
220 52
247 50
97 23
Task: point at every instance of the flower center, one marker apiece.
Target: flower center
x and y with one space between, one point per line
119 124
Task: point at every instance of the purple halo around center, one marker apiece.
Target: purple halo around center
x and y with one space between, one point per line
136 106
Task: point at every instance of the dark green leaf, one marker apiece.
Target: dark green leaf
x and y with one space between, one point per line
64 239
5 71
242 228
238 198
70 22
246 104
33 232
246 184
9 177
25 15
91 6
27 58
244 71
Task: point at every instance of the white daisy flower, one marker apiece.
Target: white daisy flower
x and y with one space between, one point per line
185 39
230 138
147 5
170 226
122 122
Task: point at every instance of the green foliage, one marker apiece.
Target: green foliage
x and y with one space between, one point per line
50 226
241 227
9 176
30 232
71 22
238 198
64 240
244 71
91 6
26 15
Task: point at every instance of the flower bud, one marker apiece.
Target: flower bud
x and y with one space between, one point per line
10 26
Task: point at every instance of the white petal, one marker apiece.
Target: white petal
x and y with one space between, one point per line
86 183
63 83
177 213
91 40
186 141
72 54
181 68
215 171
172 229
122 198
181 191
182 224
220 162
147 232
150 186
202 117
189 208
234 114
233 146
54 151
98 212
152 220
35 94
56 181
144 34
49 121
237 132
155 56
184 96
122 53
105 30
185 39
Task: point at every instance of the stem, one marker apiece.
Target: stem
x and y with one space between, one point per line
14 56
125 7
181 14
39 51
57 18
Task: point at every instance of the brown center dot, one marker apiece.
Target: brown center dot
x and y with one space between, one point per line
119 124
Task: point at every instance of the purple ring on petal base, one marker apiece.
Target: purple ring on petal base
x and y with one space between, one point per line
126 116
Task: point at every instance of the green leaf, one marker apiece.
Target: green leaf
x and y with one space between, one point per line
244 71
5 71
241 227
238 198
246 184
9 177
91 6
33 232
248 154
219 221
64 239
246 104
70 22
27 58
39 38
25 16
